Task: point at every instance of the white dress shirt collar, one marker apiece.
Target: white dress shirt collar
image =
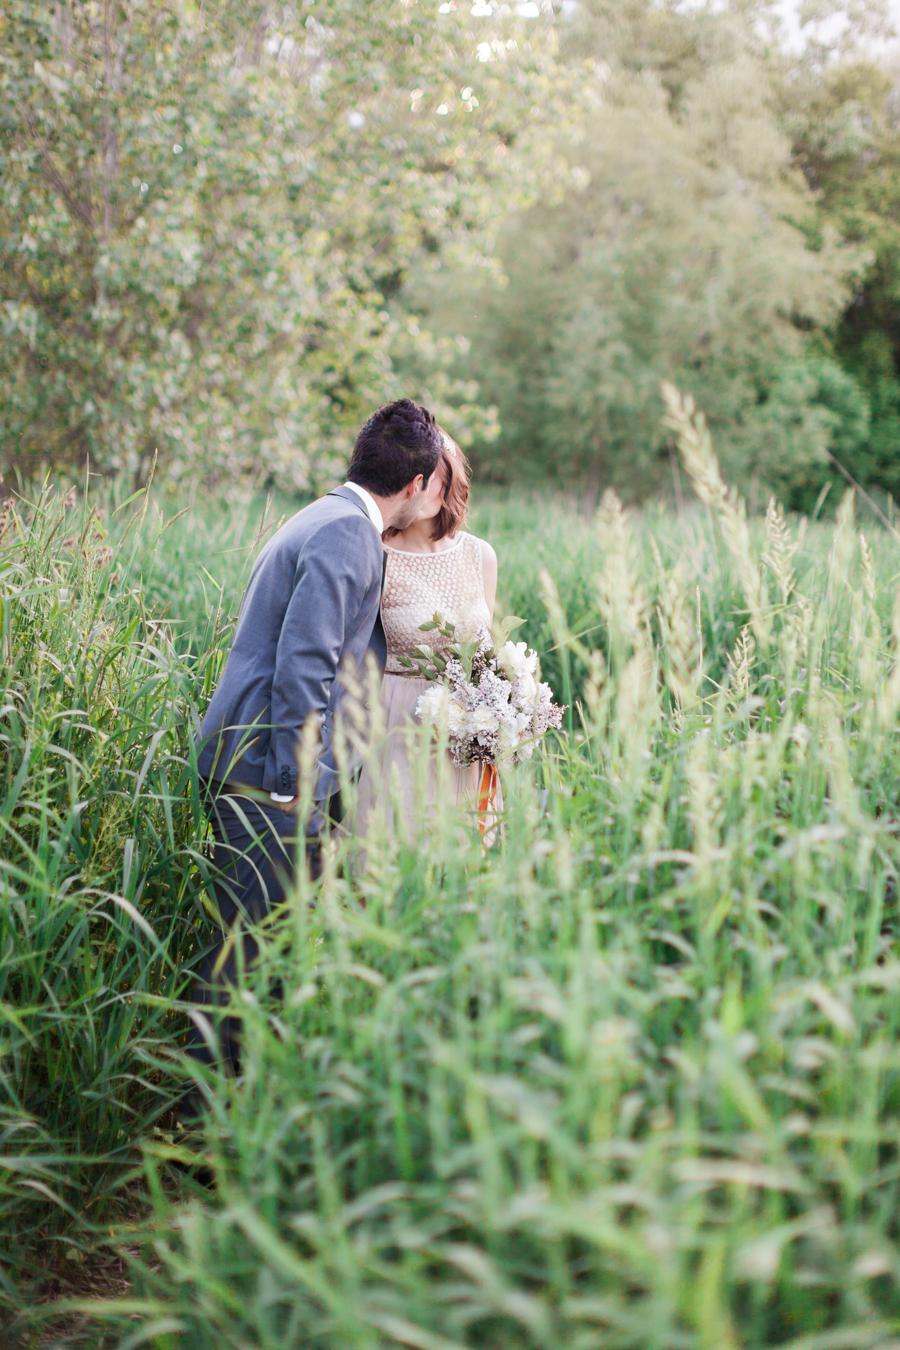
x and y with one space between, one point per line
370 504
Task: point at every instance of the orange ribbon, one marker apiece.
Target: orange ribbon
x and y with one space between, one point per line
487 792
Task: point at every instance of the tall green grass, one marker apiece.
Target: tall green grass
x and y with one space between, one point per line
101 878
629 1079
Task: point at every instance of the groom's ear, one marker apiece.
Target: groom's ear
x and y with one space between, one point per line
415 485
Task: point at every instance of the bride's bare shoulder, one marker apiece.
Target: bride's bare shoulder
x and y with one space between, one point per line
488 572
488 557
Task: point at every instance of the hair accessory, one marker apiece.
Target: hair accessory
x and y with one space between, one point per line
448 443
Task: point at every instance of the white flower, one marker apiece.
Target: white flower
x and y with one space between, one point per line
516 661
527 689
508 715
482 719
432 705
509 742
456 717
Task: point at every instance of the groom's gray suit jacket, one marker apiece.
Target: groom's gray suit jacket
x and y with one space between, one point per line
311 602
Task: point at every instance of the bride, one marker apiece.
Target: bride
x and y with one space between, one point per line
432 566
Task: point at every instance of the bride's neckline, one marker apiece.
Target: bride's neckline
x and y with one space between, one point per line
436 553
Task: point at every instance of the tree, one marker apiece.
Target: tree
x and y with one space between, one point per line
205 208
842 117
675 251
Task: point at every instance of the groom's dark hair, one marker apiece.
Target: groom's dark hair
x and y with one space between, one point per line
398 442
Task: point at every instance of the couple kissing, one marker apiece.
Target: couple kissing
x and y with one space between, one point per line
356 572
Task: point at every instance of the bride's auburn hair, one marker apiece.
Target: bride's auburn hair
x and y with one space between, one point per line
455 505
455 470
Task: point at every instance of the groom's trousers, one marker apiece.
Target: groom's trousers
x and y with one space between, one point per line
254 854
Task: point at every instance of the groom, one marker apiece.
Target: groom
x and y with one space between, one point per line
312 601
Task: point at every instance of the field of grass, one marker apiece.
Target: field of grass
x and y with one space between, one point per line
629 1080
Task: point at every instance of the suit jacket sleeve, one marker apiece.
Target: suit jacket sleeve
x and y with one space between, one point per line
335 573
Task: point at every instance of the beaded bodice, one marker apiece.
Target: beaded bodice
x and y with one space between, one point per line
418 585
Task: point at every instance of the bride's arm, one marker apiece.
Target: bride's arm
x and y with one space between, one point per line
489 574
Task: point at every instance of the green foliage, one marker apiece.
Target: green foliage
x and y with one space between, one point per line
841 118
670 249
204 208
812 402
629 1078
101 899
227 233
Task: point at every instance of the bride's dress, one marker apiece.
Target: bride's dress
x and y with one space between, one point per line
397 781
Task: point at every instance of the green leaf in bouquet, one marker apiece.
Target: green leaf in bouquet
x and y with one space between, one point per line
464 652
502 628
437 621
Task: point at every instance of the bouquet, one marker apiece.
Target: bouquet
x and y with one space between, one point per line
489 696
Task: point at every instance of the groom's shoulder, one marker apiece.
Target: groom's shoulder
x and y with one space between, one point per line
334 509
334 514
